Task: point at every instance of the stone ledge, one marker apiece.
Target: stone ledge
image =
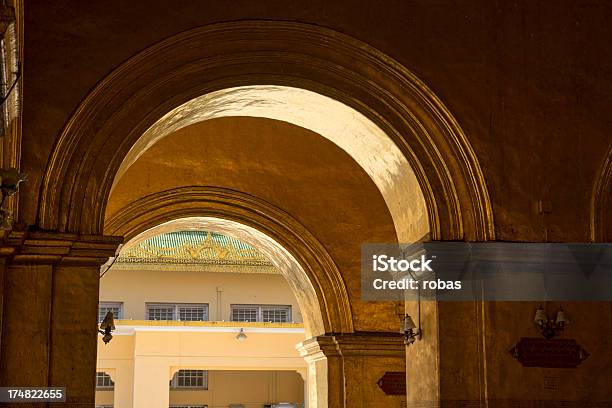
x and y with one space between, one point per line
38 247
366 344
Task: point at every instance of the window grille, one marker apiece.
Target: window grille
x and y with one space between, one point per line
276 314
242 313
190 379
105 307
260 313
160 312
104 381
179 311
196 313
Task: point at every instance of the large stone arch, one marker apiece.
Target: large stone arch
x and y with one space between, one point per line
124 105
309 269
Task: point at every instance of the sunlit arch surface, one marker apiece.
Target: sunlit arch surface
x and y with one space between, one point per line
287 265
369 146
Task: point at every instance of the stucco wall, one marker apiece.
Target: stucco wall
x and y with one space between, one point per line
260 387
135 288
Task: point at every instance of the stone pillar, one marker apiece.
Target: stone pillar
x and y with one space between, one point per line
317 375
152 377
422 356
351 366
50 311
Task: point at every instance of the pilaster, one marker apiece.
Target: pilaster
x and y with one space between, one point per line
51 284
354 364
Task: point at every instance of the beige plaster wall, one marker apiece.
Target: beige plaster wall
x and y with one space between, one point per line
256 388
259 387
219 290
142 357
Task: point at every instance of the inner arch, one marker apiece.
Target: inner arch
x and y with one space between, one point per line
350 130
287 265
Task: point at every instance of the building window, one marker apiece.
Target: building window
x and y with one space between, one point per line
190 379
105 307
104 381
260 313
179 311
193 313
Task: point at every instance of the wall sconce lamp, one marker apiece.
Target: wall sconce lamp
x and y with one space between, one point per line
107 326
410 330
241 336
550 327
9 183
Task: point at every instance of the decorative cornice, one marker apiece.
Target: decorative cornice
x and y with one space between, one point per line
355 344
371 344
60 248
198 248
197 267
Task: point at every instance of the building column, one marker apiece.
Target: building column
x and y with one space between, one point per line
304 374
317 374
50 311
151 387
123 377
344 370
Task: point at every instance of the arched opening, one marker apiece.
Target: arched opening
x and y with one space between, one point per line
280 257
303 260
187 335
136 95
388 122
155 207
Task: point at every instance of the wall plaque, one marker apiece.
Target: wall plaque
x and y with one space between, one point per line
393 383
548 353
